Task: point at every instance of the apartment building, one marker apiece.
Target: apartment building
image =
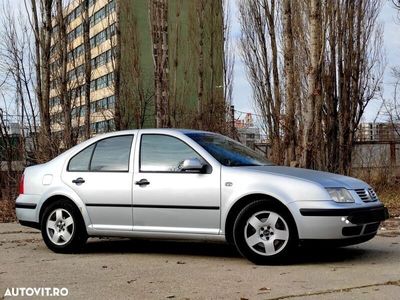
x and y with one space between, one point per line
102 43
137 66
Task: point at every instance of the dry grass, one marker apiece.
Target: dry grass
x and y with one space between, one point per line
7 211
386 182
389 194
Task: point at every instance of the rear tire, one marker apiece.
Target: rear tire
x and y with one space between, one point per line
265 233
63 229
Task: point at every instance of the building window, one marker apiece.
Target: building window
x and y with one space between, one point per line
102 104
78 112
103 58
57 118
102 13
102 36
102 126
77 72
74 14
54 101
75 33
75 53
102 82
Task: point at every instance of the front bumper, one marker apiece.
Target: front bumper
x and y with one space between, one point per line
357 216
325 220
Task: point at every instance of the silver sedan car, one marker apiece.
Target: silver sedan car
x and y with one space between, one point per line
186 184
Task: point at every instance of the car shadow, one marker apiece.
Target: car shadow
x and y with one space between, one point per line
303 255
142 246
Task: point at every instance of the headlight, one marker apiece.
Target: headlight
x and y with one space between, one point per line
340 195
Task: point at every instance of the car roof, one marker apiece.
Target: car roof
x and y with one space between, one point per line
153 130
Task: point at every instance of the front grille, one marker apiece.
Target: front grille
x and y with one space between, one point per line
367 195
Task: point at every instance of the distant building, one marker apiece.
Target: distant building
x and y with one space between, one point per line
135 32
249 135
377 145
378 132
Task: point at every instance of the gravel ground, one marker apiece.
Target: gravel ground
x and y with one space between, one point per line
139 269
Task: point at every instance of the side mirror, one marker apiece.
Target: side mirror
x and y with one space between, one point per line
192 165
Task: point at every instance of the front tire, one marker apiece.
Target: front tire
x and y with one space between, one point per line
62 227
265 233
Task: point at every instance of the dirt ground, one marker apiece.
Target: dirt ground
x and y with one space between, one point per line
139 269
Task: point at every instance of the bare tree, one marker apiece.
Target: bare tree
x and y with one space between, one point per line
158 13
392 106
290 141
18 107
60 76
119 125
42 32
136 97
87 64
257 19
314 102
228 65
332 47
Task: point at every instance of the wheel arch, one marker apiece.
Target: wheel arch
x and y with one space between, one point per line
244 201
51 199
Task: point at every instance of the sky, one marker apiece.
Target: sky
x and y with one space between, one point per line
242 95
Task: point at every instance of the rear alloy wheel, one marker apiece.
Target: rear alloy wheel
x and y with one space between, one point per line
264 233
62 227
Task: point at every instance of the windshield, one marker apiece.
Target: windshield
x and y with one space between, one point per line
227 151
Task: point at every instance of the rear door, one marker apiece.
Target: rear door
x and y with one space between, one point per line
101 175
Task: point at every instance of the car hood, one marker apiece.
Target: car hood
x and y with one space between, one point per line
323 178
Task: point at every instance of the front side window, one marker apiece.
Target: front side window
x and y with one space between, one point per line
227 151
108 155
162 153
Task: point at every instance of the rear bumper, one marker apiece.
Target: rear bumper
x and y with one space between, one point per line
26 208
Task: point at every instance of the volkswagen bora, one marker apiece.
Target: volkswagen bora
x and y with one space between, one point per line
185 184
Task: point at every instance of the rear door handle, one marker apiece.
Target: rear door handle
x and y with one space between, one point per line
78 180
142 182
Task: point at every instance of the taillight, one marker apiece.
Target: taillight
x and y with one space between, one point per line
21 185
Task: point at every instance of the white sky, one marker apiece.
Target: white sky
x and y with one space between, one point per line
242 92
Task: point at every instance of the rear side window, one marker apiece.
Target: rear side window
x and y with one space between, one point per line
81 161
110 155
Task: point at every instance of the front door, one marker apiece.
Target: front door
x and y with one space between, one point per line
101 175
166 199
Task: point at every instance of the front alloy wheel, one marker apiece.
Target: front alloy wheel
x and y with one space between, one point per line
265 232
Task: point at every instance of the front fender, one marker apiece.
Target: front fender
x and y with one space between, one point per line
237 183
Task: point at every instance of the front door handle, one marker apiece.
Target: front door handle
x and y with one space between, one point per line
142 182
78 180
